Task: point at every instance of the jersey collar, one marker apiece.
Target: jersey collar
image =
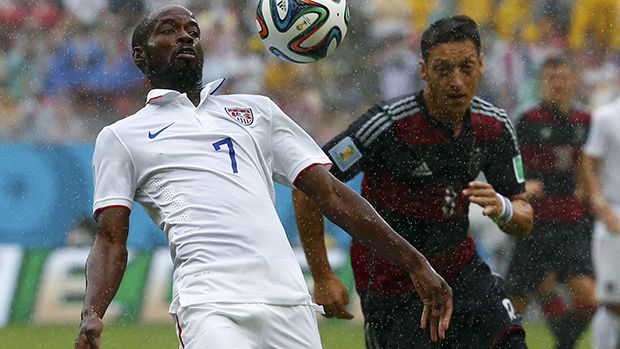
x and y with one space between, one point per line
440 125
160 96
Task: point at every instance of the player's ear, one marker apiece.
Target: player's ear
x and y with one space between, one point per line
423 70
481 64
138 56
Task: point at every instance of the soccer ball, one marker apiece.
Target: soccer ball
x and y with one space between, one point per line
302 31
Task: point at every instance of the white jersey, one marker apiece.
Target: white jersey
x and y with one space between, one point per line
604 144
205 176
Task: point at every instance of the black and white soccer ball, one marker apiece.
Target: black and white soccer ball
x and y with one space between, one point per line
302 31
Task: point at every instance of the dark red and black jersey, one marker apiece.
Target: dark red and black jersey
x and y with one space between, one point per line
414 171
551 147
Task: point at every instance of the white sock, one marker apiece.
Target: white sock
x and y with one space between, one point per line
604 329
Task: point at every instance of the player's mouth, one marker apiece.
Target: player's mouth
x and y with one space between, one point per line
186 53
457 97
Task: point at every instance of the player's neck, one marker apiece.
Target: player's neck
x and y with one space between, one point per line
455 120
560 108
193 93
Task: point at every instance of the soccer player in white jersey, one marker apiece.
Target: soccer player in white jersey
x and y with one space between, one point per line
601 161
203 167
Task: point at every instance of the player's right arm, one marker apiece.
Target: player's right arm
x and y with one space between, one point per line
104 270
343 206
329 291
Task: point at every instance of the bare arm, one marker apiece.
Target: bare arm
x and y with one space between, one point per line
601 206
104 270
483 194
329 291
355 215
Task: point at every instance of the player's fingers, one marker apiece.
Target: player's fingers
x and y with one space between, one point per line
426 312
444 321
337 310
342 313
446 315
435 317
345 315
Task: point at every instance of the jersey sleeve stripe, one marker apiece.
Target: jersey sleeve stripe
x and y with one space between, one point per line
482 107
379 123
307 167
97 211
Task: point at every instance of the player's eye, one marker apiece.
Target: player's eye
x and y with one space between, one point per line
443 70
467 68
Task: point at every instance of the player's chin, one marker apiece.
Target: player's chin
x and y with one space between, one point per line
458 104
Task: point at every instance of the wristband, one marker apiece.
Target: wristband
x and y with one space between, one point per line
506 213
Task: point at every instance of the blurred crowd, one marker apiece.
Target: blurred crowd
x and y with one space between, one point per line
66 69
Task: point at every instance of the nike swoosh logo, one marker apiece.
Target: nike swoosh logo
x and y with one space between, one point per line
153 135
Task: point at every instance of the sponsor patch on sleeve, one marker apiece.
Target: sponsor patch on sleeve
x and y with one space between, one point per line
517 164
345 154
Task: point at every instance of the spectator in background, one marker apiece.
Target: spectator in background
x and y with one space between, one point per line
557 252
601 163
398 73
594 21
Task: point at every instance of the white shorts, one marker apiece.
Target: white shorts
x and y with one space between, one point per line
247 326
606 257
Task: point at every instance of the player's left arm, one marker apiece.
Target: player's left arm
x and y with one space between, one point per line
519 223
504 198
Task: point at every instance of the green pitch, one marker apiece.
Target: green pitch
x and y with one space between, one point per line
336 335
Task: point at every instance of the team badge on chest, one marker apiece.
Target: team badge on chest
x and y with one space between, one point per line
242 115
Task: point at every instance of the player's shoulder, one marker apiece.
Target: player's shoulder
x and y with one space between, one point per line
533 113
580 114
248 100
489 120
607 111
487 110
401 106
130 121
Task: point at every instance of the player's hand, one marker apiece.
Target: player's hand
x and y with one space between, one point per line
330 292
436 295
483 194
606 213
534 189
89 336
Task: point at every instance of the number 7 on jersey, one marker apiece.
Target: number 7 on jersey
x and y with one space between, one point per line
231 151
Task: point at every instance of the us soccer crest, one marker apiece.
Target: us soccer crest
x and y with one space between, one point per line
242 115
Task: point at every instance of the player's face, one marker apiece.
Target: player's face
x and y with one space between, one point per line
451 72
557 84
174 53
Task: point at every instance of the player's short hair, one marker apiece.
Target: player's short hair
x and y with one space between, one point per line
141 33
143 29
558 60
449 29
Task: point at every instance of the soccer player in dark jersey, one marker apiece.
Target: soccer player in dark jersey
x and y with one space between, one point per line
557 253
421 155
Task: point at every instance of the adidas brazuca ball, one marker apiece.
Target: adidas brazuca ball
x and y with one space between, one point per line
302 31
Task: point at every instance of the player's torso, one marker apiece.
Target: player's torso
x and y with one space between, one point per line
551 147
198 170
425 166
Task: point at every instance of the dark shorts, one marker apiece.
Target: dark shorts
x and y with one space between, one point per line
563 248
482 315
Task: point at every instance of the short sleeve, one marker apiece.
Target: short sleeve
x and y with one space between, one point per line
350 154
595 143
504 170
113 173
293 149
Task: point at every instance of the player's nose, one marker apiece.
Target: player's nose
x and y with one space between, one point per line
184 36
